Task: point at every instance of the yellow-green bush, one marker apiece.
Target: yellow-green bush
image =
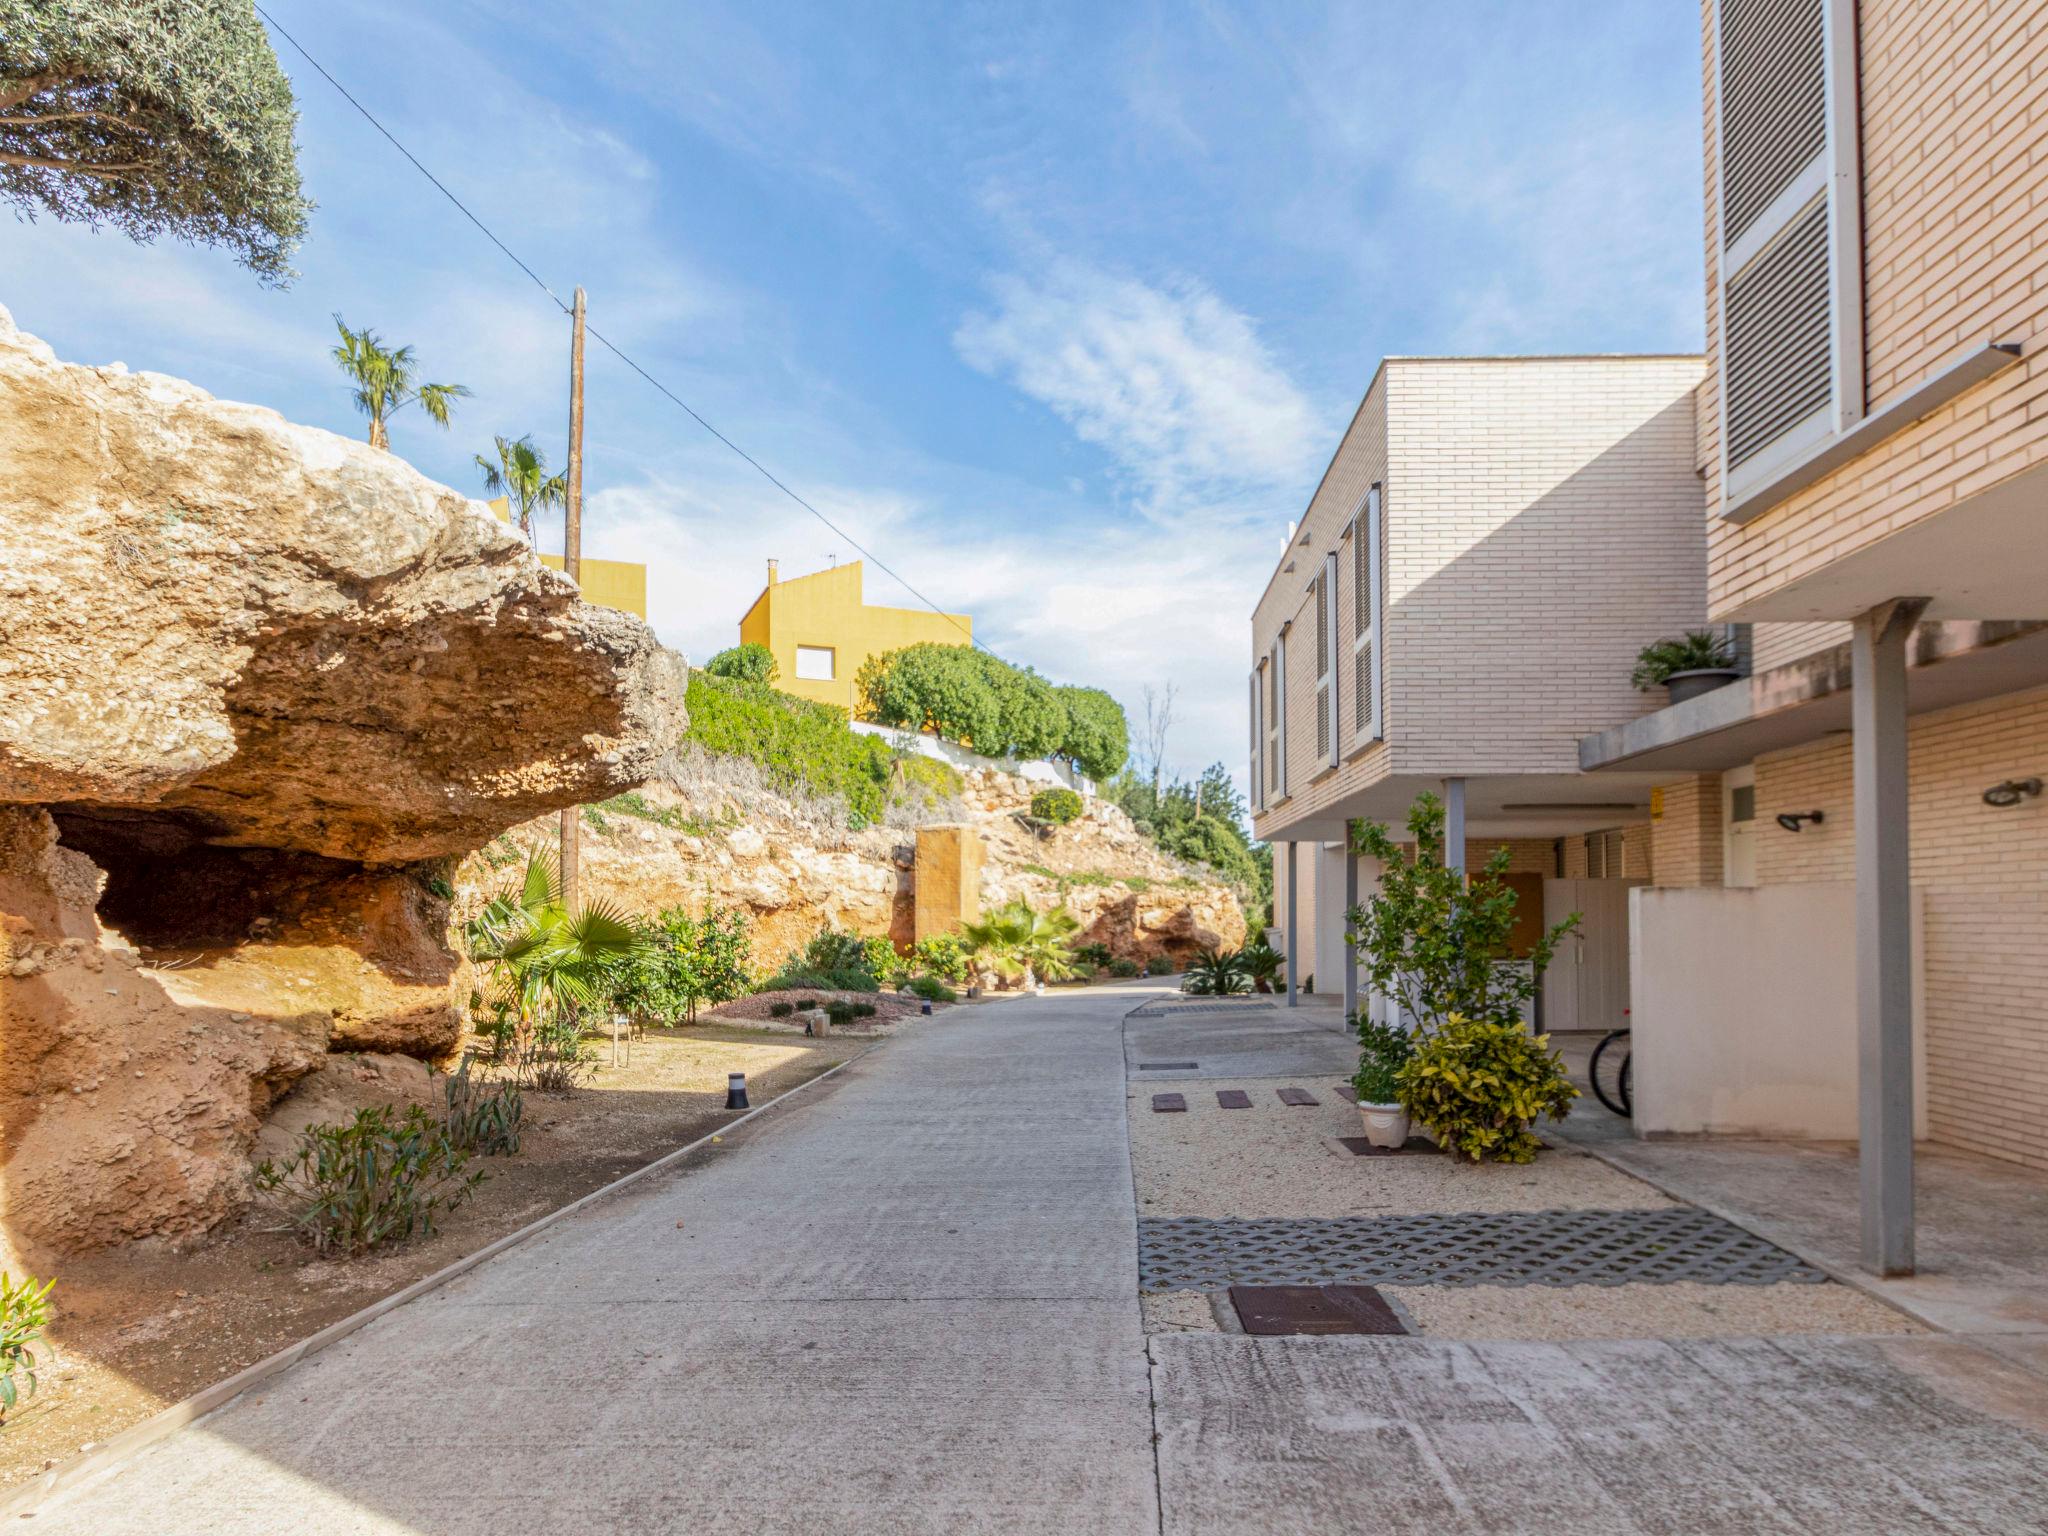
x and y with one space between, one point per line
1477 1086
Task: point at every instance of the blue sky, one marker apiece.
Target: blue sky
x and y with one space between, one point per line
1060 309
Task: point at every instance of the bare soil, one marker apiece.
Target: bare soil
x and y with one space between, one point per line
139 1328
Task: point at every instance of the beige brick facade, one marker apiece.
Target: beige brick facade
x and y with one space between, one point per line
1955 217
1685 832
1540 525
1983 872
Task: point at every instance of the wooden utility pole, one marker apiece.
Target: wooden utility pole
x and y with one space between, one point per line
572 567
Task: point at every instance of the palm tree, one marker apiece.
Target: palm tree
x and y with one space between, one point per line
521 477
1014 941
545 960
387 380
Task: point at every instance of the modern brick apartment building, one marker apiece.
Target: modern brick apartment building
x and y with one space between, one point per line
1873 440
1518 529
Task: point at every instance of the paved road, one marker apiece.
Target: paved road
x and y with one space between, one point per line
903 1303
906 1303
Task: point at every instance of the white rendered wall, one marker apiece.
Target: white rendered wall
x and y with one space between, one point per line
1743 1011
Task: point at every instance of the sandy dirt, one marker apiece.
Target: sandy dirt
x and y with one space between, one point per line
139 1328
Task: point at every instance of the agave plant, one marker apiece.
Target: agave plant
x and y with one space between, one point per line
1014 941
1215 974
546 961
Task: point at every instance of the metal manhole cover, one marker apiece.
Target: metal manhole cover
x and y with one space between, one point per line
1551 1248
1270 1309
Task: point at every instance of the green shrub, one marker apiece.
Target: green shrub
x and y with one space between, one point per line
864 1010
1097 955
1123 967
781 1010
1262 963
378 1178
1215 974
926 782
483 1118
24 1314
1058 806
749 662
1160 964
1697 650
797 745
943 955
966 695
931 989
841 1014
1477 1085
797 977
1383 1049
878 956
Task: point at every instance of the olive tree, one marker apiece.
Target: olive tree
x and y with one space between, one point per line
155 119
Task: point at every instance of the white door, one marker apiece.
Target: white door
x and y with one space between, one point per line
1738 827
1586 986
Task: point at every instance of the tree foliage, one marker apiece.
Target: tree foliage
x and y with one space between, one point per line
965 695
520 475
1433 942
684 961
155 119
750 662
798 745
387 379
1202 822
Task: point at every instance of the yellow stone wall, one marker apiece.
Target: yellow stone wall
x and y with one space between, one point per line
948 883
825 609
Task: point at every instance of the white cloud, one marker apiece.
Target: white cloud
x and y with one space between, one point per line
1171 382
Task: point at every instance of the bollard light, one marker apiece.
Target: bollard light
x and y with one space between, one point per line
926 1010
736 1091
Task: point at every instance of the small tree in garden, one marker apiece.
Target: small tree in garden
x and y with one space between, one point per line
1434 943
521 476
1058 806
1017 943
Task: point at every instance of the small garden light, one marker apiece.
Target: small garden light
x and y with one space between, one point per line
736 1091
926 1009
1791 820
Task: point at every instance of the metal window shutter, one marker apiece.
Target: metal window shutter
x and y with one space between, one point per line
1778 361
1365 645
1790 262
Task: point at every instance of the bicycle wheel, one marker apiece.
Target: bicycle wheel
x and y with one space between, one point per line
1610 1074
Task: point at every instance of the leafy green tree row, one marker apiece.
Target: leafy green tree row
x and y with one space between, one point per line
1202 822
966 695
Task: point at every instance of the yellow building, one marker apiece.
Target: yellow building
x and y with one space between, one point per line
618 584
820 631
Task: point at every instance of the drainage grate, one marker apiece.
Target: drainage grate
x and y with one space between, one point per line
1167 1066
1175 1010
1314 1309
1656 1247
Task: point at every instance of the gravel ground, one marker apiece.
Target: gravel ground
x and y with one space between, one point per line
1272 1160
1275 1161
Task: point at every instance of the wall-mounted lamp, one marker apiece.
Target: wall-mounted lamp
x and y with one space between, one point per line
1792 821
2011 792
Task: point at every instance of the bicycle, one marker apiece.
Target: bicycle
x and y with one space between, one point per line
1610 1072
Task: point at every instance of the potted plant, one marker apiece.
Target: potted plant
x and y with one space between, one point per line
1698 662
1383 1050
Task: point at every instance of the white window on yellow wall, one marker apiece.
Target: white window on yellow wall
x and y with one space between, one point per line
814 663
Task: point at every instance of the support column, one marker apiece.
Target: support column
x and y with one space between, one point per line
1350 901
1293 924
1884 934
1454 824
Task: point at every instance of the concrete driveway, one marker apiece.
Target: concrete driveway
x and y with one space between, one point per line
907 1302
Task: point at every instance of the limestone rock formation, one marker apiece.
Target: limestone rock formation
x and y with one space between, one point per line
259 687
225 628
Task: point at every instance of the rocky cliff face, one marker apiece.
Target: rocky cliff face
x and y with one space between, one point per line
699 839
259 687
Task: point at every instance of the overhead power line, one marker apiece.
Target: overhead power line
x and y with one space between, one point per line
603 340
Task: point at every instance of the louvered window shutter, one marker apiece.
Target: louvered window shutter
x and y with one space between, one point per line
1365 623
1280 716
1326 740
1790 259
1258 795
1328 646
